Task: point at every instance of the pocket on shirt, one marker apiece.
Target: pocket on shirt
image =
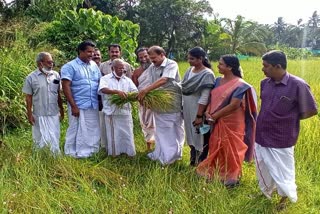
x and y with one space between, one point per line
284 106
54 86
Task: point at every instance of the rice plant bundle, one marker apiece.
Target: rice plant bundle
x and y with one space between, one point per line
156 100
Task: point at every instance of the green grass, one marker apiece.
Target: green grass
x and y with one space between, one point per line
36 182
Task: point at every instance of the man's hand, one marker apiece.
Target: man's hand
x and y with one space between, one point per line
142 94
122 94
75 111
31 119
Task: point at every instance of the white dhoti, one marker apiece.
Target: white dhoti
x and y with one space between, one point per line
119 130
103 139
147 123
169 136
275 170
83 134
46 132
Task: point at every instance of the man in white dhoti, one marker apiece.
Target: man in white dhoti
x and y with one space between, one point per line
169 132
80 81
103 141
285 100
142 79
42 89
119 124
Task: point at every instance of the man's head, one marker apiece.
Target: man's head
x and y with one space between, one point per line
118 67
44 62
143 57
86 50
157 55
274 64
97 56
114 51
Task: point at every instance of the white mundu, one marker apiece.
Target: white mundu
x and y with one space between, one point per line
119 124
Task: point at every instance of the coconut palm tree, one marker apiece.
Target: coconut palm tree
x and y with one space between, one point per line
246 36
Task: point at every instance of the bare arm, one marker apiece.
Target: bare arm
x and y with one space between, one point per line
66 87
29 109
199 118
60 104
160 82
110 91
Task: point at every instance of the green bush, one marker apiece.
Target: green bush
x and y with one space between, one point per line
71 27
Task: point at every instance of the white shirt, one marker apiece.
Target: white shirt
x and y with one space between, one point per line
124 84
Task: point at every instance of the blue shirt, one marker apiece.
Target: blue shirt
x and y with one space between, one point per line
84 79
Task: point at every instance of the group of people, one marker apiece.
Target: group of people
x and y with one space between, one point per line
216 116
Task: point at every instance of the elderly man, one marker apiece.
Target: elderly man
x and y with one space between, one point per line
169 132
114 52
42 89
119 124
80 81
285 100
141 80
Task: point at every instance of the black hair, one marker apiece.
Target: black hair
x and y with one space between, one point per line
199 53
233 62
114 46
276 57
140 50
83 45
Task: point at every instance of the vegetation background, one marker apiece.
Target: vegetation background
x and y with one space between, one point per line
36 182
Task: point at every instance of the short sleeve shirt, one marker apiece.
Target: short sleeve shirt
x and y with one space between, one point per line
106 68
282 104
84 79
44 90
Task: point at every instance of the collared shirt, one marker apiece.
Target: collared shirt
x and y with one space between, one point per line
124 84
84 79
282 104
168 68
44 90
106 68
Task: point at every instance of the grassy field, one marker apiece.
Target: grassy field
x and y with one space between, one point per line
36 182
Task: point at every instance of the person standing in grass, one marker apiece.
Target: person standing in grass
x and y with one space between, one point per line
103 141
80 81
169 132
42 89
119 124
232 113
196 86
285 100
141 80
114 52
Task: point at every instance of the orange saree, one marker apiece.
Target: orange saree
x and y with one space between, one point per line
232 138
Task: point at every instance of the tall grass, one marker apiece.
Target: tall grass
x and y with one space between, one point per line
35 182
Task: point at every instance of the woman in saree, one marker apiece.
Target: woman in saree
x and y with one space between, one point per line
196 86
232 113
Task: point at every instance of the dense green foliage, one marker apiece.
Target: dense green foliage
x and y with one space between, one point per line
35 182
71 27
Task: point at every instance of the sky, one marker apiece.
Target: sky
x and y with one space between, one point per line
266 11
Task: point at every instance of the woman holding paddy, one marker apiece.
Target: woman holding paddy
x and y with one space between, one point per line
232 113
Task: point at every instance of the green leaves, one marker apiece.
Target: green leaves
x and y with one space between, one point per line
71 27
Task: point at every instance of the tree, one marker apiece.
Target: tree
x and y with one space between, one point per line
246 36
279 28
314 30
71 27
172 24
